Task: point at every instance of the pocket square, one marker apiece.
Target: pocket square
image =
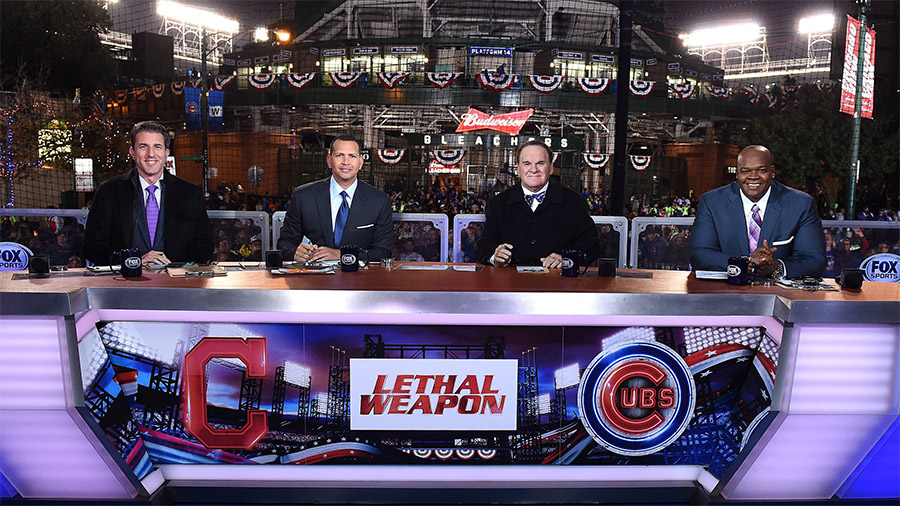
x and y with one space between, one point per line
782 243
365 226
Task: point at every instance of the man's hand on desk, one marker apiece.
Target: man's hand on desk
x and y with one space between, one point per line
312 253
763 257
502 255
553 261
154 257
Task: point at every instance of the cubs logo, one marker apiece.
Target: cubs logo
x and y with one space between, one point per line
637 398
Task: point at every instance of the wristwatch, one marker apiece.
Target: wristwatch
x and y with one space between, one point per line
778 273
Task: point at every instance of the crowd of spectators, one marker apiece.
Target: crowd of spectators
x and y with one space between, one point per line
59 237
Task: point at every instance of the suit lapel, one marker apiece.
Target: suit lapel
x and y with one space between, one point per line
773 215
323 204
737 221
128 200
357 210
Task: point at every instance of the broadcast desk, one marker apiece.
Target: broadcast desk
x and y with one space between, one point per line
833 420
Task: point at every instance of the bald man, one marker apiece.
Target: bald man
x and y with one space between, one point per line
776 226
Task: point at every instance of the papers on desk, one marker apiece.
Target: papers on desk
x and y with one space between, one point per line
534 269
197 271
711 274
322 269
421 267
104 269
809 284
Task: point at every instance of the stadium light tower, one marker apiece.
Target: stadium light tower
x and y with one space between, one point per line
722 35
820 23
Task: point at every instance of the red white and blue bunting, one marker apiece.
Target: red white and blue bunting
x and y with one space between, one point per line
344 80
555 157
441 79
593 85
749 92
195 83
220 82
684 90
448 157
545 84
595 161
496 82
390 156
300 81
158 90
391 79
641 88
719 91
261 81
640 162
177 87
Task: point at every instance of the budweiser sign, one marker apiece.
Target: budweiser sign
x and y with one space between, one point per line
509 123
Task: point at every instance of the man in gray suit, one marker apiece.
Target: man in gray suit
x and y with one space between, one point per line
337 211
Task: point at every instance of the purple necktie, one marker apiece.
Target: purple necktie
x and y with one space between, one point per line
755 227
152 213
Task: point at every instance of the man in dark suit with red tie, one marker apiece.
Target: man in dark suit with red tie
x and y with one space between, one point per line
148 208
776 226
532 223
337 211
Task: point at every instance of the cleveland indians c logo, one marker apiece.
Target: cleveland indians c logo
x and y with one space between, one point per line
636 399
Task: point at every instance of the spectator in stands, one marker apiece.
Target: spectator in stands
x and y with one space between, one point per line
678 253
161 215
609 242
829 255
408 253
846 257
532 223
63 247
731 221
339 210
652 248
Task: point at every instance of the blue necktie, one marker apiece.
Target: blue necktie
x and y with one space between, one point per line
341 220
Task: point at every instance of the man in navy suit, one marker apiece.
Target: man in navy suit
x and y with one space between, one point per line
148 208
337 211
777 226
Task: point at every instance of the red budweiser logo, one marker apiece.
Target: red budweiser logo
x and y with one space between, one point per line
509 123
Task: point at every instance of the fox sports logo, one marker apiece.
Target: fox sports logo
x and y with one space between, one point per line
637 398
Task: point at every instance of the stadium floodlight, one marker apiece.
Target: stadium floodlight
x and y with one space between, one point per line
322 403
296 374
544 404
820 23
194 16
567 376
261 34
721 35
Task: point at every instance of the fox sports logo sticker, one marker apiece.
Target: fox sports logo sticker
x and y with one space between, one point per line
637 398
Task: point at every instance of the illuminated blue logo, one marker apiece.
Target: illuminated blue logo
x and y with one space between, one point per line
636 399
884 267
14 256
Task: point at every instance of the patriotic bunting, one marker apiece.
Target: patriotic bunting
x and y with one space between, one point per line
718 91
391 79
749 92
140 93
545 84
593 85
158 90
121 95
595 160
555 156
344 80
441 79
641 88
448 157
639 162
765 98
683 91
390 156
300 81
496 82
195 83
177 88
261 81
220 82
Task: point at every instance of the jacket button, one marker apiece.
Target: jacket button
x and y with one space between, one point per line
532 242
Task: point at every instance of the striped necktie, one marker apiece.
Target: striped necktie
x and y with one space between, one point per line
152 213
755 227
341 220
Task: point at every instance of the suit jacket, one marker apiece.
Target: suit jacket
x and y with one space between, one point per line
116 220
560 222
369 224
720 230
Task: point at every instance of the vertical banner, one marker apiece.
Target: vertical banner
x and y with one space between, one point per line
216 110
851 63
192 108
